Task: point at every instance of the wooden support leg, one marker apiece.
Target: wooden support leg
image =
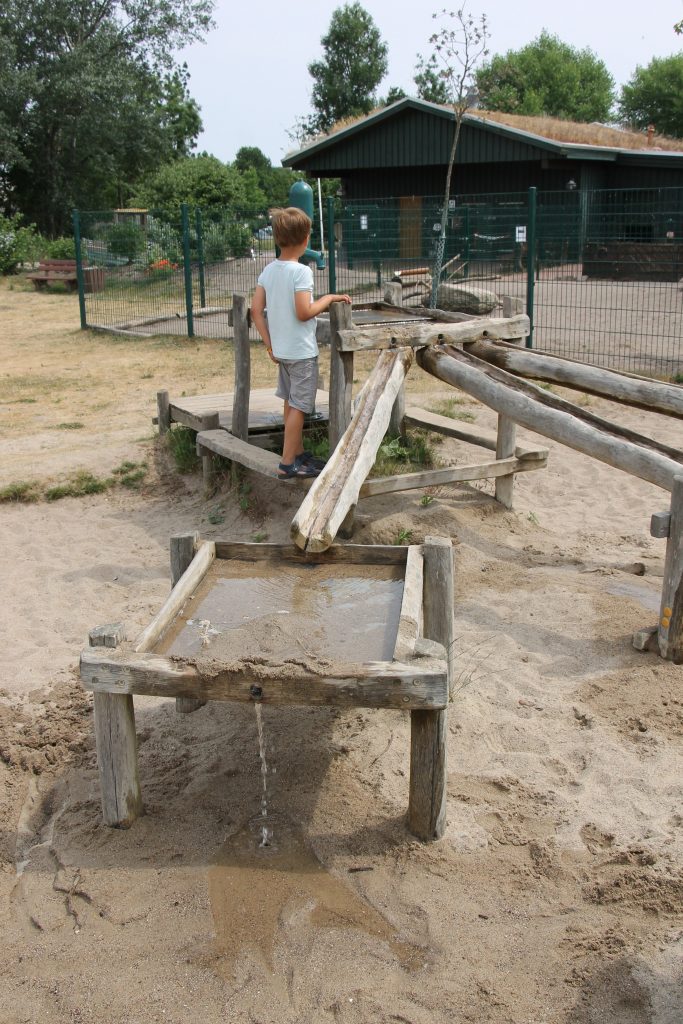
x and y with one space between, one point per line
345 531
429 729
341 374
163 412
670 631
182 552
209 422
117 751
240 404
396 424
506 442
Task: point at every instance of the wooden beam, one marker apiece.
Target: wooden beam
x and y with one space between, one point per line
381 336
183 547
505 395
653 395
410 617
341 374
347 554
116 745
670 631
163 412
505 447
429 729
378 684
242 350
336 490
449 475
186 585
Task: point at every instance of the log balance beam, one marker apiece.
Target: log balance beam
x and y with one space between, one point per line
418 678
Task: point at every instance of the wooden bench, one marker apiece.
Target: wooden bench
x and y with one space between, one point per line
54 271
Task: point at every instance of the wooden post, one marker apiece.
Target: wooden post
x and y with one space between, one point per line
163 412
242 349
393 294
116 743
182 553
341 374
506 442
670 632
429 729
209 422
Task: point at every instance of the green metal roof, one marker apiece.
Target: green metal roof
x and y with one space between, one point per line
413 132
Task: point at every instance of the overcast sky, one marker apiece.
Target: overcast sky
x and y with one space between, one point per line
251 80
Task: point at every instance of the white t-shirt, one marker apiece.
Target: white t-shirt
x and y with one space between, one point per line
290 337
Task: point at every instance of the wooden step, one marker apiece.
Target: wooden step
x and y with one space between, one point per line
222 442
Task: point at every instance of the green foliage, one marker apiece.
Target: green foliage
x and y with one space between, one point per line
202 181
426 500
430 84
449 407
18 244
216 516
78 485
126 240
654 95
90 98
403 537
395 94
183 444
548 77
354 62
62 248
403 454
25 490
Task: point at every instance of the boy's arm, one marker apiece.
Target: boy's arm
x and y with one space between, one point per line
306 309
258 306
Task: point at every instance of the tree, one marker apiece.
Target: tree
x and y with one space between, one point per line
353 65
430 85
458 47
96 99
202 181
394 94
274 182
654 95
548 77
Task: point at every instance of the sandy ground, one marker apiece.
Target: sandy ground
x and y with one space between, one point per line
555 896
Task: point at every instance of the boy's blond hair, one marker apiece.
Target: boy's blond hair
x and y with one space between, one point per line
291 226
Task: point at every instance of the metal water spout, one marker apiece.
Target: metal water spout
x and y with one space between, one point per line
301 196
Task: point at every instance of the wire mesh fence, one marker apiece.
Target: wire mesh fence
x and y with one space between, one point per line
597 271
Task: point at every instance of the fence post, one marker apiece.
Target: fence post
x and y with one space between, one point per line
331 247
187 267
531 264
466 253
200 255
79 268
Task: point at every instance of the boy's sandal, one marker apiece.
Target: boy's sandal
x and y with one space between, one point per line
307 458
296 470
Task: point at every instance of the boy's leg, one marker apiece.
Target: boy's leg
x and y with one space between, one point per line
294 429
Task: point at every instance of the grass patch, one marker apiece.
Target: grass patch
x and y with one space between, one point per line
216 516
77 486
183 445
24 490
70 426
403 537
403 455
449 407
131 474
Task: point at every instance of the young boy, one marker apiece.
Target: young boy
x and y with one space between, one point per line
285 292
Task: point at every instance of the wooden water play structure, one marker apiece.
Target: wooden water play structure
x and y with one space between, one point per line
414 640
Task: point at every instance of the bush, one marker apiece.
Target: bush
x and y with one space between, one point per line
126 240
18 244
238 237
60 249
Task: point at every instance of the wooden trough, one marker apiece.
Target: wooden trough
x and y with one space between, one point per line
404 619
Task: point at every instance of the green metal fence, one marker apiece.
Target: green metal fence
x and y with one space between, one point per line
597 271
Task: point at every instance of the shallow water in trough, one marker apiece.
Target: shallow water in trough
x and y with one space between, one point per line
346 613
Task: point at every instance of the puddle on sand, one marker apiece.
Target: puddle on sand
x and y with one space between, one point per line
250 886
647 594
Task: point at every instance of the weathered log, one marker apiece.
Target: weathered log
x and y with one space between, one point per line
337 488
185 586
116 744
378 684
670 632
242 350
183 546
381 336
527 408
653 395
429 729
505 447
341 374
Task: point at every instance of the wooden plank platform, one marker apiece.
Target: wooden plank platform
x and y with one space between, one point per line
265 410
222 442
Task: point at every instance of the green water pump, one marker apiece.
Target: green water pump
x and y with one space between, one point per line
301 196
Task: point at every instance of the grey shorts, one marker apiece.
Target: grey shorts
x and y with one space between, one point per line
297 382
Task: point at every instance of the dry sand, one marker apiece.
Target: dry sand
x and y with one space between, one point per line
555 896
